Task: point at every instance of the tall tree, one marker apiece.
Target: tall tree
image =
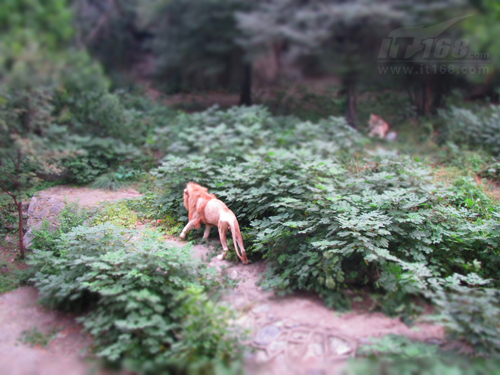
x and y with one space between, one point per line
481 31
197 48
343 37
37 56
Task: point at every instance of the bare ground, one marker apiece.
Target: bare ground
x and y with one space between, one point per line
64 355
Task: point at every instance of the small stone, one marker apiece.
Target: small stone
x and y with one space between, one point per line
32 206
277 346
315 349
299 335
246 321
295 350
267 334
52 200
339 346
434 342
239 300
234 274
263 308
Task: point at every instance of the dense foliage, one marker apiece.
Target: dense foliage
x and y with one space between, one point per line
327 216
147 303
397 355
478 129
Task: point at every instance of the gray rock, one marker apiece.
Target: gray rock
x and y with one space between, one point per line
339 346
27 239
267 334
392 136
32 206
57 208
41 214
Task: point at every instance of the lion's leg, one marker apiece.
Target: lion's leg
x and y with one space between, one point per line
207 231
223 240
188 227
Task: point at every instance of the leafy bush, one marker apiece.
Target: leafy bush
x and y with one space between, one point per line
472 316
442 364
480 130
397 355
11 277
47 237
395 346
35 337
146 300
492 171
240 131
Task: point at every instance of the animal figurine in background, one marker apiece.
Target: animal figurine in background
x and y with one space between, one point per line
205 208
377 127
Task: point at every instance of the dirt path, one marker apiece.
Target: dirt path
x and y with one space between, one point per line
64 354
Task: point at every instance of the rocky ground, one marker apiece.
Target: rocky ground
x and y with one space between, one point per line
290 335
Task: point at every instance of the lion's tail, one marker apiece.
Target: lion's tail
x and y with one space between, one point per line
237 239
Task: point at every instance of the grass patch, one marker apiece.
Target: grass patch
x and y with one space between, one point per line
34 337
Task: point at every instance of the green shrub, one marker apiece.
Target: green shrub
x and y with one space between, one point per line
240 131
395 346
71 216
442 364
477 130
35 337
11 277
397 355
472 316
146 301
327 223
492 171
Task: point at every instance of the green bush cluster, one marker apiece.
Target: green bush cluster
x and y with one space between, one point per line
71 216
327 216
476 129
71 135
397 355
240 131
148 304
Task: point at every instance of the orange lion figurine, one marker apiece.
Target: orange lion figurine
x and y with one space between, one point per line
205 208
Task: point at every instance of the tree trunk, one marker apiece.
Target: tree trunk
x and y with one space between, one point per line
19 206
246 85
351 107
428 95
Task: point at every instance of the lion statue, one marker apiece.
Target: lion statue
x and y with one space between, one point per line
205 208
377 127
